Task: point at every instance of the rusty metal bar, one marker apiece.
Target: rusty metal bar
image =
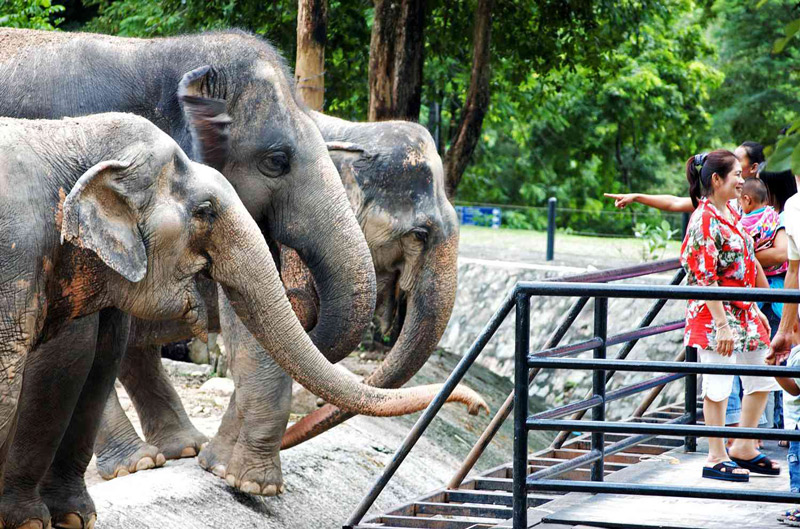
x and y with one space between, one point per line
609 275
655 392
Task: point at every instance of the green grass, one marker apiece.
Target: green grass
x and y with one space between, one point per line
523 245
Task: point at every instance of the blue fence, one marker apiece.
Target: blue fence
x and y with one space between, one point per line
479 216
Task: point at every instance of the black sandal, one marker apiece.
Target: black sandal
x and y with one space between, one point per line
760 464
717 472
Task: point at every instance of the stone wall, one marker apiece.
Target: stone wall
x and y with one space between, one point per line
484 284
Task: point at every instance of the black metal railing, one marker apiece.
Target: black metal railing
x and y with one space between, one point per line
629 339
684 426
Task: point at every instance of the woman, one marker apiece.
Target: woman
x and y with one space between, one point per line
718 252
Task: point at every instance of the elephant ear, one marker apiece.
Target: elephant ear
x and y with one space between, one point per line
206 115
97 215
345 153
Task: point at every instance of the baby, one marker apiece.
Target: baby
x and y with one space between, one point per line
760 220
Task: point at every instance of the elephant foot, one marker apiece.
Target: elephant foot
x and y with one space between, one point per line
179 443
129 458
28 513
70 505
215 455
255 472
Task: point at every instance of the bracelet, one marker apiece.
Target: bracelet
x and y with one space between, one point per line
718 327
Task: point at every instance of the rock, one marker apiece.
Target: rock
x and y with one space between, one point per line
222 387
185 369
198 352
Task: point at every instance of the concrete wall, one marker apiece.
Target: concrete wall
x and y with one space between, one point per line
482 287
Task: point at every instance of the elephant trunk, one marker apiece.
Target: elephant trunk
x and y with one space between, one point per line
429 307
243 266
338 257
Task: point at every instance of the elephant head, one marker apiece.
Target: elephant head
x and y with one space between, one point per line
279 165
159 220
395 182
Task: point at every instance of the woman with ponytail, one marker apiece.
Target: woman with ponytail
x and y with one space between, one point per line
718 252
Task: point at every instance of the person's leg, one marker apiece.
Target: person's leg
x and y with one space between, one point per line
793 458
733 410
716 389
756 393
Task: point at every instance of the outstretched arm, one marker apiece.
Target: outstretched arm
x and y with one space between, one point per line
662 202
782 343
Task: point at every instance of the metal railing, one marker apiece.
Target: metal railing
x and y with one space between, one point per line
684 426
551 349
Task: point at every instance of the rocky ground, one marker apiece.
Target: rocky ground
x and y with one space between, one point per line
325 478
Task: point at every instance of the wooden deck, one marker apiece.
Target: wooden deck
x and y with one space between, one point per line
484 501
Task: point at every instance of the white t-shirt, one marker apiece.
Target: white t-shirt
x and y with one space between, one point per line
791 219
791 405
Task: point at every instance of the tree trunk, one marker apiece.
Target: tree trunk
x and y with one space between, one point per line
477 103
395 60
309 72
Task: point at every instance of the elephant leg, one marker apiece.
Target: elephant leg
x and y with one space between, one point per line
165 423
217 452
55 374
263 399
119 449
63 488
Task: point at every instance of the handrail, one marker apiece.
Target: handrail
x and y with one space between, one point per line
458 373
505 410
600 366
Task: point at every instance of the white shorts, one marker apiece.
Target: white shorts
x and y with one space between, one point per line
718 387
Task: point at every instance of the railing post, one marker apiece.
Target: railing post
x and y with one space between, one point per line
690 396
599 385
684 223
520 470
551 227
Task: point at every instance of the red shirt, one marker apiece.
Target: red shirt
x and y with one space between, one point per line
717 250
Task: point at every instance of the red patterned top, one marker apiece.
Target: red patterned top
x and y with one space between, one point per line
719 251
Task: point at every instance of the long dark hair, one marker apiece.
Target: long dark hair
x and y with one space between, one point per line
754 150
781 185
701 167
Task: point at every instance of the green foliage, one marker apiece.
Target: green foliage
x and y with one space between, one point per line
30 14
759 95
654 239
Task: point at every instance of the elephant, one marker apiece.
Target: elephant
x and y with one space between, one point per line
190 87
139 226
394 180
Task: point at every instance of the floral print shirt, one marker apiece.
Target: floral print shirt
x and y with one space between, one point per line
719 251
763 225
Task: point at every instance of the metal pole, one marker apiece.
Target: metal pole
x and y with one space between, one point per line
551 227
433 408
520 470
684 223
599 385
655 392
690 396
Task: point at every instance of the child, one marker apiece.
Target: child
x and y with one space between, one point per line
760 220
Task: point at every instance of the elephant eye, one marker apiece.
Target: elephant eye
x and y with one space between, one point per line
274 164
421 234
204 210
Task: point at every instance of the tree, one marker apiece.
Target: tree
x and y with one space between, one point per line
309 70
477 101
37 14
396 59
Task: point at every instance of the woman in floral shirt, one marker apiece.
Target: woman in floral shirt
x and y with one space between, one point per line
718 252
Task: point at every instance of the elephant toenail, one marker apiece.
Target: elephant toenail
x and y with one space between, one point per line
203 446
34 524
70 520
219 471
231 479
160 460
121 472
145 463
189 451
92 520
250 487
280 489
270 490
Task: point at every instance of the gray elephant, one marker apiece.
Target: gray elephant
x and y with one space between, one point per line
137 228
395 182
277 163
